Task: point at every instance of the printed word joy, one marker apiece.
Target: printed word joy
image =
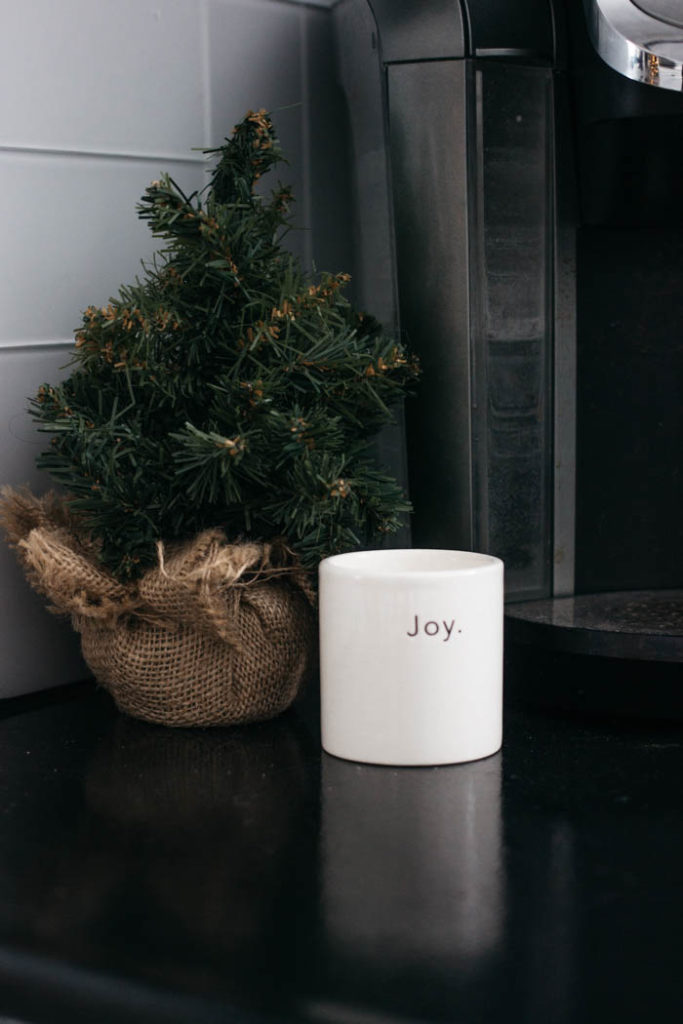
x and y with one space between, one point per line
433 628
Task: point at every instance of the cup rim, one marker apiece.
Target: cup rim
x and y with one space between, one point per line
386 563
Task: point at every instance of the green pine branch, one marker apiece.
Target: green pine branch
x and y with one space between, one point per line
226 386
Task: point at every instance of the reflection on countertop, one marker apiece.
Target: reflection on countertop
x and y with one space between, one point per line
174 875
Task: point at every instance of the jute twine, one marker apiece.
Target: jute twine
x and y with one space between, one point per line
215 634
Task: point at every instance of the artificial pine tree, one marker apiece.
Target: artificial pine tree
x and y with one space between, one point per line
226 388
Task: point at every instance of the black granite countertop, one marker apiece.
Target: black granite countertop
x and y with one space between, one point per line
241 875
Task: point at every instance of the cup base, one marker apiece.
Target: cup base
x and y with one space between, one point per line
407 763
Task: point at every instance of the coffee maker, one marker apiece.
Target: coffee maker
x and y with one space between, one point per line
517 179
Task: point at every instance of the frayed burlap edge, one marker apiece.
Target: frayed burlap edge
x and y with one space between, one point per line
214 634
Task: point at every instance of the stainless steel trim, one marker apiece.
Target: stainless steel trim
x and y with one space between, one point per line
638 45
428 147
564 361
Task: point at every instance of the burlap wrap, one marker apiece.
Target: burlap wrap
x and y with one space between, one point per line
214 634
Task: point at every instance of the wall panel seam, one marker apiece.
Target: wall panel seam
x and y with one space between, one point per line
33 343
102 154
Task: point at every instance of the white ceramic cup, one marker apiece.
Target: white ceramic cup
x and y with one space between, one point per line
411 656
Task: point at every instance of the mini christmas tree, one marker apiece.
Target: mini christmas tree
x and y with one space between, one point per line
226 388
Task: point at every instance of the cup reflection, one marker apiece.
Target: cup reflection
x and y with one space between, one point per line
412 861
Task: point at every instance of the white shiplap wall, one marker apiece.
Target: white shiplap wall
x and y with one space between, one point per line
97 97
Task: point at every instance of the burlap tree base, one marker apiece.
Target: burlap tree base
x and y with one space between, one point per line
215 634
